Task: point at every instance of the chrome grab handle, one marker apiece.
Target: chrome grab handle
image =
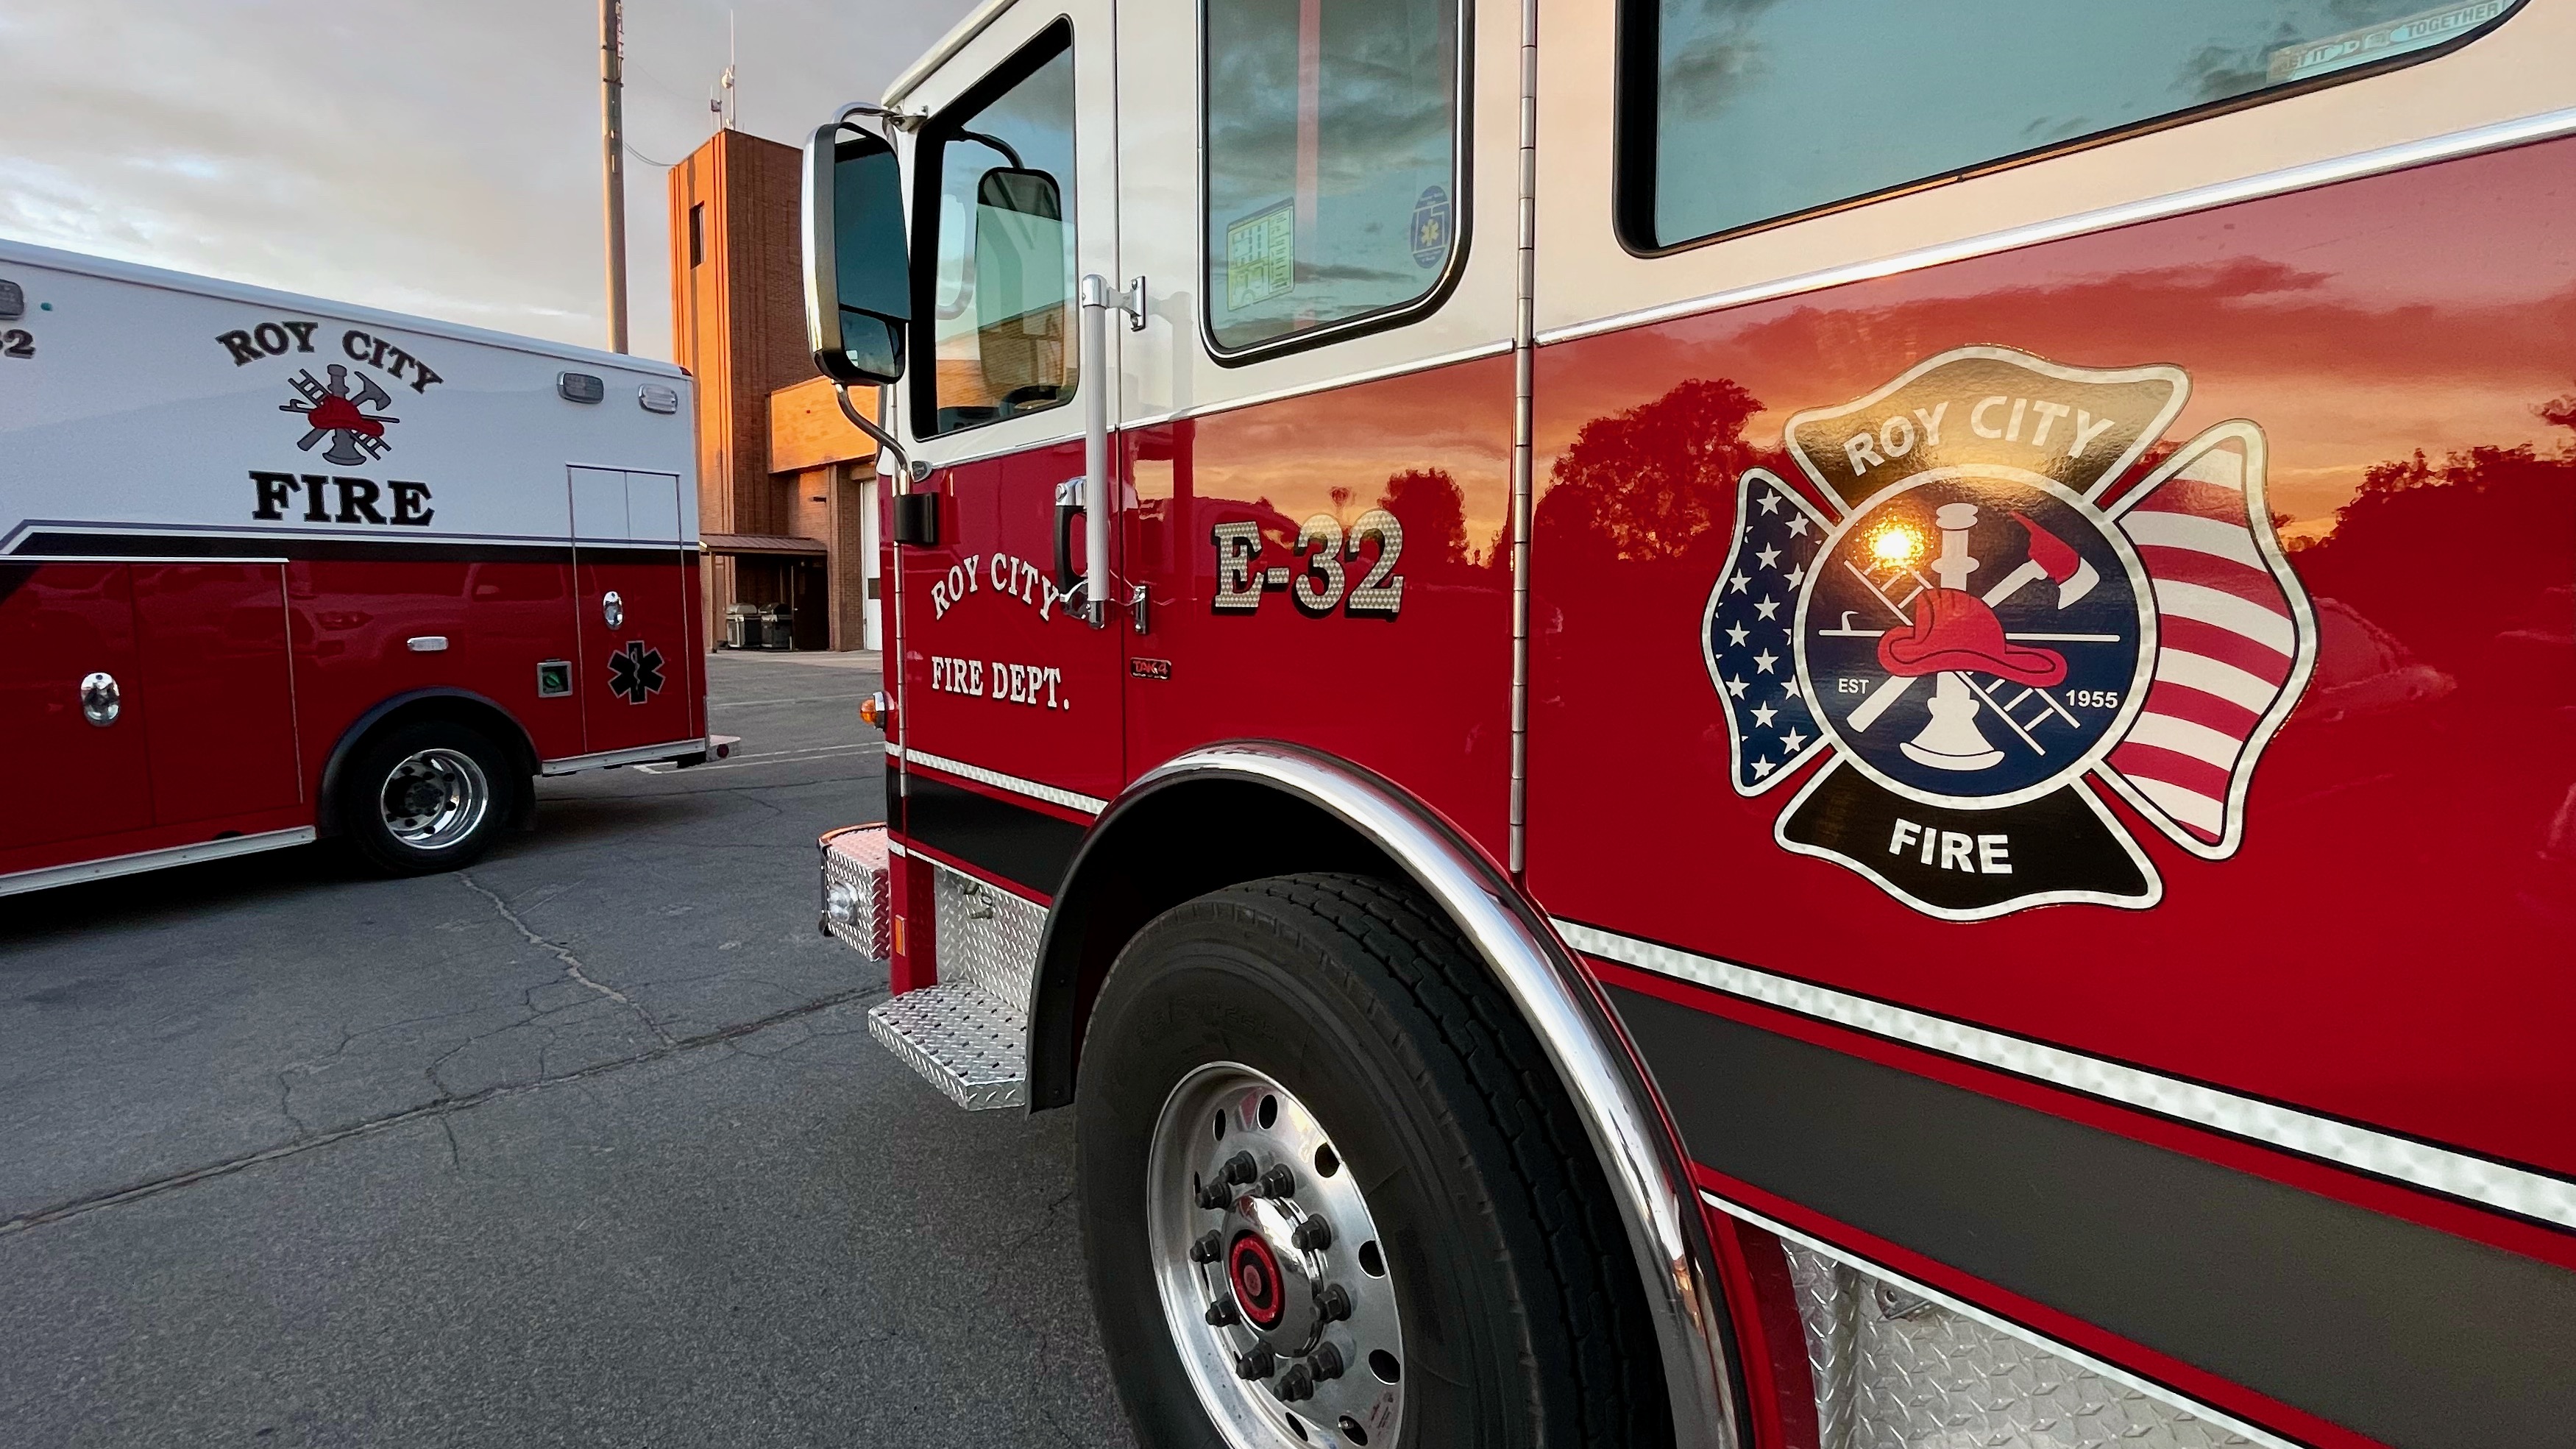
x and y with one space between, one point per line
101 700
1097 304
612 609
1094 386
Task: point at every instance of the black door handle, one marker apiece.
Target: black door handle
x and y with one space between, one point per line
1068 507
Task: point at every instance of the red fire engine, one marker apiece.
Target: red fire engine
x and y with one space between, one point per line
1835 724
273 568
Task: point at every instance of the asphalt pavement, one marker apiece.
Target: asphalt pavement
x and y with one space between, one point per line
584 1145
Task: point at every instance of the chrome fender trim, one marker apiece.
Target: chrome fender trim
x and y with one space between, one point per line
1620 1111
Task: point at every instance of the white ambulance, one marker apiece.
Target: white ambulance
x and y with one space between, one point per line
273 568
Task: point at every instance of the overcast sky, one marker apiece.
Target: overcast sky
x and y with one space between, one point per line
440 158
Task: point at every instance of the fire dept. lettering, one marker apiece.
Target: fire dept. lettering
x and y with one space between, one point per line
1029 684
329 498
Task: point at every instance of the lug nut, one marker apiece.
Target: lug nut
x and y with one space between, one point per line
1326 1361
1278 1181
1216 1196
1336 1303
1209 1247
1314 1235
1255 1362
1241 1168
1294 1385
1222 1313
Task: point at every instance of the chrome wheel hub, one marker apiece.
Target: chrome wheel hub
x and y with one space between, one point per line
1273 1281
434 798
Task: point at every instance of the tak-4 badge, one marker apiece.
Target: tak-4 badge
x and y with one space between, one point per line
1976 644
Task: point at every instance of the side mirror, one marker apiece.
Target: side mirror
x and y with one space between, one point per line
1023 287
858 283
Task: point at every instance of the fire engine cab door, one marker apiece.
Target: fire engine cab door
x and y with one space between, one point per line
638 667
1011 699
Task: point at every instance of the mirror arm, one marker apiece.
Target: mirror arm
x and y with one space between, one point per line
996 143
897 118
861 421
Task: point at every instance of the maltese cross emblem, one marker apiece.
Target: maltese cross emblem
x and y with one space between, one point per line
1972 640
635 672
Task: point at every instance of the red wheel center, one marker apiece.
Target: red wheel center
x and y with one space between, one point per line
1255 1273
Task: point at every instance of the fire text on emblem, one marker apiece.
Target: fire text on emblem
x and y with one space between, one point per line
349 410
1977 644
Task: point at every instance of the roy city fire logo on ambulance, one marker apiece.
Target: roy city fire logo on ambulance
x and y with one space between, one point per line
345 413
1977 645
350 410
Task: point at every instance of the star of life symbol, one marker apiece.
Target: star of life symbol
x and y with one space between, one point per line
635 672
339 410
1974 639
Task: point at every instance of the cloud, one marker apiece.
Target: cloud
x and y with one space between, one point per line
434 159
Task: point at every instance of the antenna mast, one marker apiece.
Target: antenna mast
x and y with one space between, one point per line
722 102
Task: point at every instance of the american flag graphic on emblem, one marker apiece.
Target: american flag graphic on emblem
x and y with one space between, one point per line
2232 651
1750 612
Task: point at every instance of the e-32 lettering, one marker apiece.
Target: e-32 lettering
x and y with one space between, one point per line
1322 579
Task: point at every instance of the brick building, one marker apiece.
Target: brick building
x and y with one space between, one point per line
786 487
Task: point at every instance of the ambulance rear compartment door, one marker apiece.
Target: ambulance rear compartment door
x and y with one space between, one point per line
69 779
217 691
638 669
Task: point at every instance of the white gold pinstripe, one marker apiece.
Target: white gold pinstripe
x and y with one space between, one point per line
1035 790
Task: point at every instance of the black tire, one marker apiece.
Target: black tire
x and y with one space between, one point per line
373 788
1519 1300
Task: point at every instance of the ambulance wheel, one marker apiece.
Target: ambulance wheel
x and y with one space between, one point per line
425 797
1332 1195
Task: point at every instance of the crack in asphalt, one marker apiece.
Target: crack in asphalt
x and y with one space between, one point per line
572 963
438 1111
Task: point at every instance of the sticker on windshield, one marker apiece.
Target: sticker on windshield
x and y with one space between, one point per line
1261 257
2378 42
1431 228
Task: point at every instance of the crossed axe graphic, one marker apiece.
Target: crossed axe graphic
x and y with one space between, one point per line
342 414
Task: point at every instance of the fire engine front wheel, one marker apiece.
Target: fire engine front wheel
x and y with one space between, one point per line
1332 1196
425 797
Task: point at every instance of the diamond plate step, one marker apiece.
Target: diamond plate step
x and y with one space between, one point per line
967 1043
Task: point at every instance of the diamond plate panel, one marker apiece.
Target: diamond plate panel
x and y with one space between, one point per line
1828 1304
858 894
964 1042
1918 1376
988 937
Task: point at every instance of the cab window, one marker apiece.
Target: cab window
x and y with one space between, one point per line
1000 312
1331 147
1736 113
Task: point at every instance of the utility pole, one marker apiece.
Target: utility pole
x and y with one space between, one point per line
612 141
